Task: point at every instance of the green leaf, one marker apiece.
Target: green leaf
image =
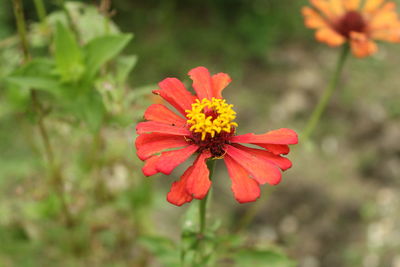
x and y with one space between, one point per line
124 67
14 101
102 49
163 248
270 258
68 55
89 21
48 207
36 67
37 75
92 109
191 219
40 83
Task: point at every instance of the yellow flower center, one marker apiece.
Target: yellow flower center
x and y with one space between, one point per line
211 117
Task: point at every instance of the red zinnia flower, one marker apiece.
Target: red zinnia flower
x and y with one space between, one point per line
206 128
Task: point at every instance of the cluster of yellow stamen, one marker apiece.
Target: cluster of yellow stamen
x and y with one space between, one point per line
206 124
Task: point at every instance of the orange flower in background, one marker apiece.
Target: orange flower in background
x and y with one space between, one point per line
206 127
354 21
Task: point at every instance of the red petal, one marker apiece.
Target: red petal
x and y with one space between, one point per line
219 82
171 159
260 169
175 93
160 113
282 136
153 143
244 188
202 82
198 182
276 149
149 167
178 194
281 162
158 127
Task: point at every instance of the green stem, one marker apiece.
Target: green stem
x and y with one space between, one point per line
319 109
70 20
203 202
20 18
40 10
249 215
62 5
105 6
54 170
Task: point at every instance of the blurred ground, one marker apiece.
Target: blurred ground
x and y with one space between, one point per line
338 206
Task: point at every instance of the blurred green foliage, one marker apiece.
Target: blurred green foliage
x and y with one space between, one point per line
175 35
58 210
94 80
78 75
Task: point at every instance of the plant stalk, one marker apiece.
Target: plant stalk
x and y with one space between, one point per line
70 20
20 19
311 124
324 100
40 10
105 10
203 202
54 170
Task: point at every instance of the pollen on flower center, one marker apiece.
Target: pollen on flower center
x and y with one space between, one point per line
211 117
